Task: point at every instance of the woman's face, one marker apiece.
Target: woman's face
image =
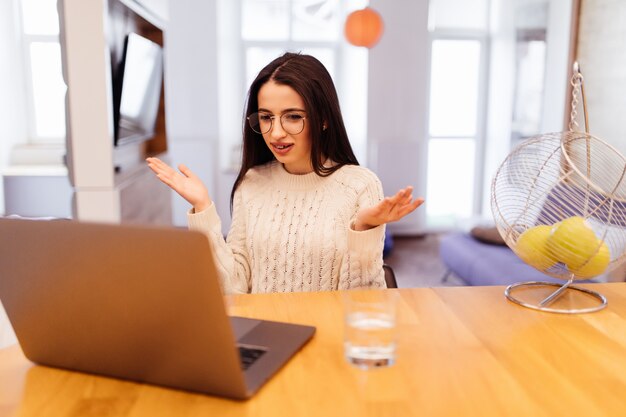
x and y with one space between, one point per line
290 147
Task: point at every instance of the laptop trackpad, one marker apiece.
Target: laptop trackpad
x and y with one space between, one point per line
242 326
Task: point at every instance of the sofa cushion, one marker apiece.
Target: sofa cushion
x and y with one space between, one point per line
488 235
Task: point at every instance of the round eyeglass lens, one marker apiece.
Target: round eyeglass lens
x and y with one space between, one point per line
292 122
260 123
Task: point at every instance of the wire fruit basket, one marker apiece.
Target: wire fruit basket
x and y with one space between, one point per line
559 202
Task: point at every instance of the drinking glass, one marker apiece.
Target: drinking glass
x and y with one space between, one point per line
370 327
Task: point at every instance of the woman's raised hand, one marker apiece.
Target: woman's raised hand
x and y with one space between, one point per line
185 183
390 209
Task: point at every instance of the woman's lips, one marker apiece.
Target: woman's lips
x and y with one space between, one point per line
282 148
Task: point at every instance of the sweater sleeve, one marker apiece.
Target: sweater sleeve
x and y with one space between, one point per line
362 267
230 255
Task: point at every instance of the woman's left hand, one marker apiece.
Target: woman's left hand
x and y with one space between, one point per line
390 209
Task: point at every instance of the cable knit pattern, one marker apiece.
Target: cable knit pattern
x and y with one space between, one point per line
292 232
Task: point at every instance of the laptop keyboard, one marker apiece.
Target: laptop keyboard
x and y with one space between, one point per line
248 355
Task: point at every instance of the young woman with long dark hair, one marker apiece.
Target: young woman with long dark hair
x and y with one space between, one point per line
305 215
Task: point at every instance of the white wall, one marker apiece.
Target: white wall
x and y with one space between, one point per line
12 96
397 103
602 57
159 8
191 93
557 65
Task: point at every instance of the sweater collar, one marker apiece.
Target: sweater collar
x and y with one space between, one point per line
294 181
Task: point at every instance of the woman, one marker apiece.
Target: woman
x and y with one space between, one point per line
305 216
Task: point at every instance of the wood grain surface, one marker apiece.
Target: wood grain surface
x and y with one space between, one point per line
463 351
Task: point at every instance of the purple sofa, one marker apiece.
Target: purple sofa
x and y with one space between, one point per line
479 263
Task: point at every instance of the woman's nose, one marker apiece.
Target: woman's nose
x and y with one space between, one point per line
277 130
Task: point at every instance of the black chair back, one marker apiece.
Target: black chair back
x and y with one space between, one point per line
390 276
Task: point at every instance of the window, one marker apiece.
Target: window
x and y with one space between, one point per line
315 27
458 14
253 32
269 27
454 91
44 81
459 34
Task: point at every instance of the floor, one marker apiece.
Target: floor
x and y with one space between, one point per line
416 262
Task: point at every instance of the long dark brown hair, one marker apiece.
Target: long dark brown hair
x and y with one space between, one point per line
310 79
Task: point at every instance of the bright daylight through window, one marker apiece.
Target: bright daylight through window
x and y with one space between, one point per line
44 82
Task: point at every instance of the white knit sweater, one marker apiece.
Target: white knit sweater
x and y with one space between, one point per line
292 232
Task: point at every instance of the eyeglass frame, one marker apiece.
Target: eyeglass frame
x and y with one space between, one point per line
273 116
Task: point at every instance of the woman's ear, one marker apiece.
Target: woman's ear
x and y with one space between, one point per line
324 126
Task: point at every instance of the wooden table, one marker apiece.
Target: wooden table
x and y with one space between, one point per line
462 352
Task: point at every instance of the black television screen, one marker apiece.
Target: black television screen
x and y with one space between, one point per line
137 89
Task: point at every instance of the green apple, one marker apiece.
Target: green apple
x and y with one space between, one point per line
532 247
597 264
573 242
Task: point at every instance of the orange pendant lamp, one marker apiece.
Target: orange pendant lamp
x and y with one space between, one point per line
364 27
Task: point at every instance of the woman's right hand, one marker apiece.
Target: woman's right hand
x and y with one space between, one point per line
185 183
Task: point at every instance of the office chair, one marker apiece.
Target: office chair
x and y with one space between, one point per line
390 276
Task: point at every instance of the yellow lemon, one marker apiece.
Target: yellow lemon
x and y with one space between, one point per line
532 247
596 265
573 242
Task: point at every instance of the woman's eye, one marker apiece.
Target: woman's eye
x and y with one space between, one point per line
294 117
265 117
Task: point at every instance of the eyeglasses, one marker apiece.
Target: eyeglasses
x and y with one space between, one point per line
292 122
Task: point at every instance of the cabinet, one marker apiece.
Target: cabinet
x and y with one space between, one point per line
111 184
37 191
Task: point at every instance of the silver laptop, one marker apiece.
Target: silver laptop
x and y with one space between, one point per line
137 303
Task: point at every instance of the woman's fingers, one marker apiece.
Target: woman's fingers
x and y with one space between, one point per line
411 206
408 195
158 166
398 196
402 203
166 180
156 163
402 197
186 171
164 172
185 182
405 194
